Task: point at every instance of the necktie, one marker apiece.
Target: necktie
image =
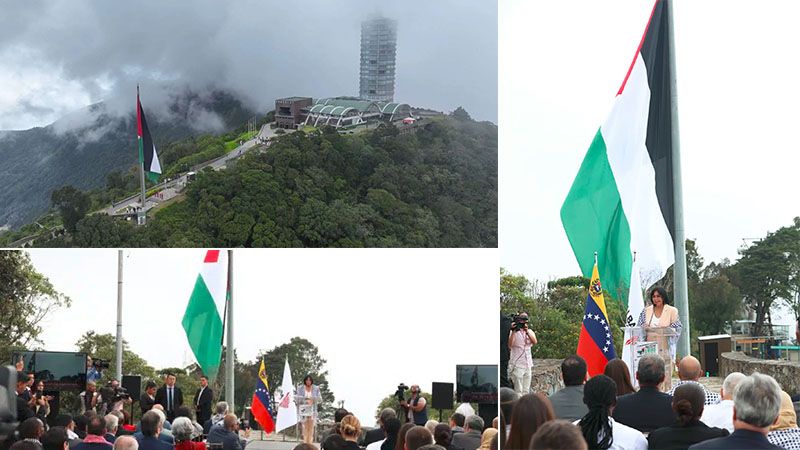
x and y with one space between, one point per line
169 399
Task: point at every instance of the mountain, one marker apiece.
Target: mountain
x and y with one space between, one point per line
81 148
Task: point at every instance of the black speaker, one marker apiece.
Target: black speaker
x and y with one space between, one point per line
133 384
442 396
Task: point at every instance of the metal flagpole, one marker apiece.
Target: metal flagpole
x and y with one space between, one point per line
229 350
140 216
119 316
681 288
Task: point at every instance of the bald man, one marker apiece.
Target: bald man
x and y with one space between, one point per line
690 371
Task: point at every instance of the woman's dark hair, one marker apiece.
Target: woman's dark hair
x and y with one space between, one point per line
54 439
304 446
599 394
687 402
333 442
401 435
442 435
617 370
530 412
662 292
308 377
558 434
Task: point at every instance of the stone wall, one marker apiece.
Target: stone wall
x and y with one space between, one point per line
546 376
787 373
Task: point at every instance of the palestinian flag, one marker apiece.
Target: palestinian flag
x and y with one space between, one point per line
595 343
147 148
202 320
621 200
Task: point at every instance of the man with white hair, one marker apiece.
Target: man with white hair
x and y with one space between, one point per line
112 423
220 411
756 404
721 414
163 435
126 443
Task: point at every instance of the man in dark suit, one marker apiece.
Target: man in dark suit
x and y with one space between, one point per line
378 434
202 401
470 439
148 397
151 428
756 405
648 409
227 434
169 396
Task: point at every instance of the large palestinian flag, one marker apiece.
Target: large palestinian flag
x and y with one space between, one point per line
621 200
147 148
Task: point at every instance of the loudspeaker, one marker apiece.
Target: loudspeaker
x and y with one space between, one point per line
442 396
133 384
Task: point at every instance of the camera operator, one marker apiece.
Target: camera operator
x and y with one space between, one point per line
416 407
89 397
113 397
94 370
520 340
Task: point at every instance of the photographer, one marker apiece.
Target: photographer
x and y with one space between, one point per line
416 407
520 340
94 369
113 397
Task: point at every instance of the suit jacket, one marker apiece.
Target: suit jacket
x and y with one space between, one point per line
151 443
679 437
23 410
646 410
228 439
373 435
202 406
740 439
146 403
469 440
568 403
110 437
177 400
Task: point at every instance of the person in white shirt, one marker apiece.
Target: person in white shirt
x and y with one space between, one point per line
721 414
520 340
597 426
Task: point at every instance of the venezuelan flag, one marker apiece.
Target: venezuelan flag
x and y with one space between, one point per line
262 402
596 344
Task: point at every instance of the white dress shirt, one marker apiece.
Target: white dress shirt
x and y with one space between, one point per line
625 437
376 445
719 415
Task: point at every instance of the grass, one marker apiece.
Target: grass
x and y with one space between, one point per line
244 137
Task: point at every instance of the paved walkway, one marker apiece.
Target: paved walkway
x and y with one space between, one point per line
272 442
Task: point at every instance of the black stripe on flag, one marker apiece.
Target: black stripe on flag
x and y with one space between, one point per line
147 142
655 53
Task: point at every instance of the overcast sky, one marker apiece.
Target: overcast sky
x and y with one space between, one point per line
561 64
358 306
62 55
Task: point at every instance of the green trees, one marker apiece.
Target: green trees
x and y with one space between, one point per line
26 298
72 204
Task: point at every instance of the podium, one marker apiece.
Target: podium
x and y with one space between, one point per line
306 411
640 341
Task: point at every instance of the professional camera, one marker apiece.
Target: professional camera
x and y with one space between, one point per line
519 322
399 393
113 395
100 364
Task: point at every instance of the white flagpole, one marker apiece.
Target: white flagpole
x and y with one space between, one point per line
229 350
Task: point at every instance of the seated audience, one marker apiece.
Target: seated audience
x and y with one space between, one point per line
721 414
756 404
377 435
568 402
530 412
184 411
338 415
443 436
80 425
618 371
486 438
350 429
431 425
332 442
55 439
65 421
304 446
688 403
401 436
220 411
227 434
556 435
26 445
457 423
391 427
470 439
149 435
598 428
508 398
689 371
184 431
126 442
418 436
95 436
784 433
112 424
648 409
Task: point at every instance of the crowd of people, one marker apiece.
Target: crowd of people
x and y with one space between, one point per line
459 433
607 412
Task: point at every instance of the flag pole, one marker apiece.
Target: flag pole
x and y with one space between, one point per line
681 288
229 350
140 216
119 316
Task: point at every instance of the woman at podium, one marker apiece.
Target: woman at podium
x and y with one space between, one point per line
308 397
662 325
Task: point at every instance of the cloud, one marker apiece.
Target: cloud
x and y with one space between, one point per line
88 51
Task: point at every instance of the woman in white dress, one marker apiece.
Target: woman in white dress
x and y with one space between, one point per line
308 397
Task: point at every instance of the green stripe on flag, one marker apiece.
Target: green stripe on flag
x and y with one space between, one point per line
594 221
204 328
141 150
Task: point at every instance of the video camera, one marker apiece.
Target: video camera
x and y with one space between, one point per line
8 401
400 392
100 364
113 395
519 322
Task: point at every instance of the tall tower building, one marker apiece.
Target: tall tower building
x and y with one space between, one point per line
378 49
